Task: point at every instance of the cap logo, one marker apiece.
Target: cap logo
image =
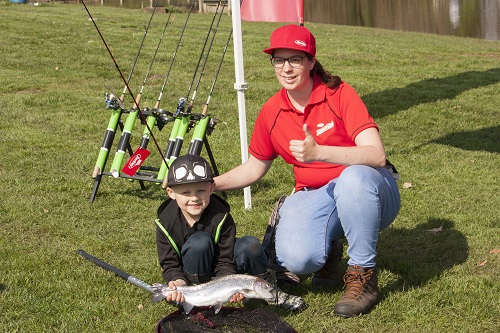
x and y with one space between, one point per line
301 43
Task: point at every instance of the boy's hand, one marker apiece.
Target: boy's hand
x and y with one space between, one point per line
176 296
236 298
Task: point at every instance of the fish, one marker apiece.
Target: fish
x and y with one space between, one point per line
217 291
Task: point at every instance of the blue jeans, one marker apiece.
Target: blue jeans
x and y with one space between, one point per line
198 254
357 205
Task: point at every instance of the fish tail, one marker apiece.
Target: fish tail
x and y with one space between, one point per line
158 294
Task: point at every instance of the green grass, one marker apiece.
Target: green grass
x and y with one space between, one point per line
435 98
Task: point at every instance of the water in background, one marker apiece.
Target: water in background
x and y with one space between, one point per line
464 18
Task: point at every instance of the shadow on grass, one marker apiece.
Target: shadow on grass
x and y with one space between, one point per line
419 255
484 139
391 101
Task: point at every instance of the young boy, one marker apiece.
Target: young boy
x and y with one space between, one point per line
196 234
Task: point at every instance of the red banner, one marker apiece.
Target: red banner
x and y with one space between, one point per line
273 10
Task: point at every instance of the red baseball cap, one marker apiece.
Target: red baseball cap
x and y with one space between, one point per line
293 37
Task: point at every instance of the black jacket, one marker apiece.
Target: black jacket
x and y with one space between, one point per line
173 222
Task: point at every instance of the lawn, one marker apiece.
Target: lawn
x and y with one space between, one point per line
435 98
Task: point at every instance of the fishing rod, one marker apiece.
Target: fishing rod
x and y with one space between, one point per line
156 112
205 121
212 31
186 115
131 119
160 96
117 107
206 124
127 277
121 74
177 122
182 117
171 140
140 47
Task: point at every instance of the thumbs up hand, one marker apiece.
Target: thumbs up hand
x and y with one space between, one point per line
304 150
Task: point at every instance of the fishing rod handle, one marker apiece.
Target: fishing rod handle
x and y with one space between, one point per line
127 277
104 265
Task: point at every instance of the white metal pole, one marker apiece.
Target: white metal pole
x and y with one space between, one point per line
240 86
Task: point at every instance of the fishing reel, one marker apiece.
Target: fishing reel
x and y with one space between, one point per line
211 125
162 116
195 118
181 106
113 102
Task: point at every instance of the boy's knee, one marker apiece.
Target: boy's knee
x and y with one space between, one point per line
249 245
199 242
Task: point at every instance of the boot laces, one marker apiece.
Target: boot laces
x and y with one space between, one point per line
355 283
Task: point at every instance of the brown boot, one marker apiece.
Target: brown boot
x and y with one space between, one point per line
329 275
361 292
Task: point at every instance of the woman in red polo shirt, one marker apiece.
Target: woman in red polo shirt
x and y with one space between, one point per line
344 187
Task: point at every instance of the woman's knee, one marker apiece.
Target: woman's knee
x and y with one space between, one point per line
357 173
358 179
300 259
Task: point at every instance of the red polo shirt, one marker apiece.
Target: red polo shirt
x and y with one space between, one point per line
334 117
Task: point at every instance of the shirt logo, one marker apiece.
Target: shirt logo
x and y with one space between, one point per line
323 128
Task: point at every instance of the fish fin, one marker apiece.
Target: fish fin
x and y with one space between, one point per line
217 307
187 307
158 292
158 297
